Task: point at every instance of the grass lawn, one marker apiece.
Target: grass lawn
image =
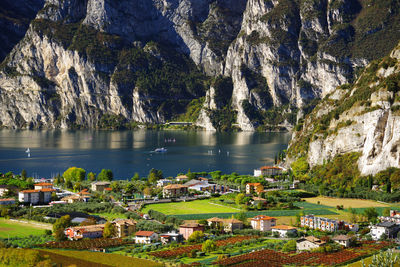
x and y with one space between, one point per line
110 216
190 207
10 228
109 259
346 202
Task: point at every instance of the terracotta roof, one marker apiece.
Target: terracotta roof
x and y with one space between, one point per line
47 190
29 191
262 218
38 190
7 199
254 184
108 189
191 225
144 233
89 228
43 184
312 239
125 221
270 168
182 177
174 186
283 227
215 219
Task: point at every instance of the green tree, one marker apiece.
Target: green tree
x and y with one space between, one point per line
74 174
241 216
353 215
105 175
91 176
239 199
191 175
23 174
135 177
209 246
59 227
371 214
196 237
300 168
386 258
289 246
386 212
77 186
130 188
152 178
109 230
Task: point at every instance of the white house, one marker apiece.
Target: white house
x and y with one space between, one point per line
163 182
283 230
171 237
390 229
145 237
343 240
40 186
308 243
36 196
262 222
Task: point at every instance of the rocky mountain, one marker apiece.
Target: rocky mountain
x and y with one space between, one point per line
363 118
255 64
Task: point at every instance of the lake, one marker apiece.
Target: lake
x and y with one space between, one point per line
127 152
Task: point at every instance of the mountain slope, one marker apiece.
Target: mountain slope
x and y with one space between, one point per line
363 118
255 63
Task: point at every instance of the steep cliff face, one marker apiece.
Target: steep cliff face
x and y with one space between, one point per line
101 63
363 117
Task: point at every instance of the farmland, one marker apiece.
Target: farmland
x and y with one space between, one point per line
82 258
10 228
346 202
191 207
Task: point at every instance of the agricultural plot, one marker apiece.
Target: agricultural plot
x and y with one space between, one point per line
10 228
346 202
95 259
87 243
190 207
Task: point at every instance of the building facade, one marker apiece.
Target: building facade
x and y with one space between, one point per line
145 237
99 186
390 229
124 227
283 230
263 223
309 243
89 231
252 188
188 229
175 190
325 224
42 196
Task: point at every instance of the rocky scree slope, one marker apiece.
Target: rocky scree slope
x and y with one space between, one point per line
253 63
363 117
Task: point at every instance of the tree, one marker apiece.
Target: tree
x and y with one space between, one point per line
191 175
130 188
289 246
77 186
196 237
147 191
152 178
105 175
300 167
115 186
4 211
74 174
135 177
109 230
23 174
241 216
59 227
239 199
91 176
387 259
353 215
386 212
371 214
209 246
370 182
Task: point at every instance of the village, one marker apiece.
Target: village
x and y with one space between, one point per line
240 216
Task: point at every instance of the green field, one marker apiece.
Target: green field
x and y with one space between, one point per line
190 207
17 229
86 258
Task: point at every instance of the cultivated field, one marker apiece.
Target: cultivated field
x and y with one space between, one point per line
82 258
190 207
346 202
10 228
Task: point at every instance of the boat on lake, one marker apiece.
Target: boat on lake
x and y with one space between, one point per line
160 150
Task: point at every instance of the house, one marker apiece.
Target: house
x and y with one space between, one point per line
262 223
40 186
124 227
394 213
4 189
42 196
252 188
268 171
7 201
171 237
188 228
181 178
145 237
89 231
204 186
175 190
76 198
343 240
163 182
325 224
390 229
215 223
283 230
231 225
257 200
100 186
308 243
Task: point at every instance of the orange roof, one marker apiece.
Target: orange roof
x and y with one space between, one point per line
144 233
270 168
174 186
283 227
47 190
215 219
30 191
44 184
108 189
38 190
254 184
7 199
262 218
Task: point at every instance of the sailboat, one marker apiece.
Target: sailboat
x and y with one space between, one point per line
28 151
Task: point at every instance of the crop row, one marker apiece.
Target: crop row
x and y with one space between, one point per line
273 258
87 244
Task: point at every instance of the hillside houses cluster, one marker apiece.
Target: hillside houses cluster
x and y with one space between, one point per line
325 224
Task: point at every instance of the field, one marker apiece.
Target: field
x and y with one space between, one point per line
85 258
110 216
10 228
346 202
190 207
